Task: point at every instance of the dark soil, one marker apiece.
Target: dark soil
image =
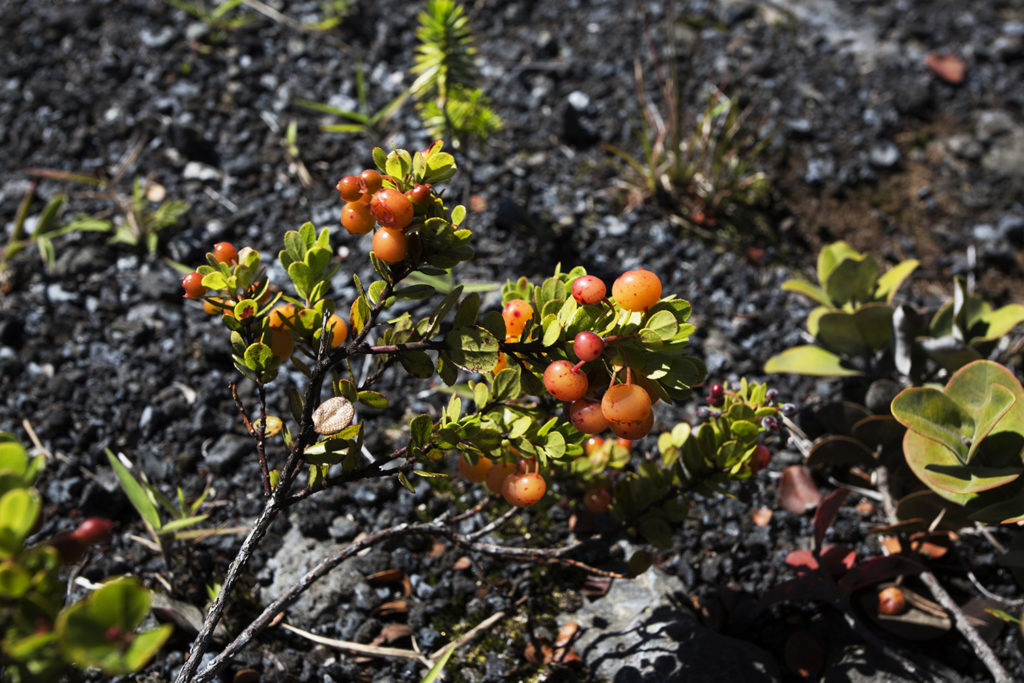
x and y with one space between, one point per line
867 145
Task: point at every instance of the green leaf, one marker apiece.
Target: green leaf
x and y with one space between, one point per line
19 509
507 386
552 330
934 415
809 290
458 215
301 277
860 333
472 348
663 325
831 255
554 445
417 363
140 500
415 292
446 370
1000 322
853 279
481 394
258 357
977 479
183 523
657 531
467 311
809 360
893 278
15 580
439 665
420 429
373 399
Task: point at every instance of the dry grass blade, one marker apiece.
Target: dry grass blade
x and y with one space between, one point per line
371 650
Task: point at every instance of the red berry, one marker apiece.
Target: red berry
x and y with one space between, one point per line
350 189
516 314
523 490
357 218
593 444
622 442
93 531
597 501
636 290
588 289
369 181
716 390
193 284
390 245
419 194
588 346
760 458
586 416
475 473
626 403
564 381
891 601
224 252
391 208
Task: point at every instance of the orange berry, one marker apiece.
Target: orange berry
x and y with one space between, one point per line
891 601
626 403
501 364
496 475
593 444
193 285
523 490
586 416
356 218
390 245
564 381
475 473
370 181
516 313
391 208
224 252
349 188
281 343
338 330
281 316
597 501
636 290
632 429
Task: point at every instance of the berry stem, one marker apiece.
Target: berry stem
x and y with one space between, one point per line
576 368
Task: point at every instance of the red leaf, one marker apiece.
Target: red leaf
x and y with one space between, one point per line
876 570
826 514
802 560
797 491
838 559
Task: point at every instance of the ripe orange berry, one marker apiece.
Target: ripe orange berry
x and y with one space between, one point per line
891 601
390 245
496 475
501 364
356 218
391 208
622 442
349 188
626 403
597 501
516 313
281 343
338 330
632 430
475 473
193 285
564 381
224 252
586 416
370 181
281 316
523 490
636 290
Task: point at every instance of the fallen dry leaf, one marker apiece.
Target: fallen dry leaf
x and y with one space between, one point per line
385 577
393 607
461 564
761 516
566 634
797 491
946 66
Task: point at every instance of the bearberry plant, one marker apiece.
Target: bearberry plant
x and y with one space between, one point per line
533 385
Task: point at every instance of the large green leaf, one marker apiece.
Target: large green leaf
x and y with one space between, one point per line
984 388
809 360
472 348
812 291
19 509
1000 322
921 452
860 333
934 415
853 279
893 278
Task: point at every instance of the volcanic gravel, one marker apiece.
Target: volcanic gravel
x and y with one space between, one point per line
866 144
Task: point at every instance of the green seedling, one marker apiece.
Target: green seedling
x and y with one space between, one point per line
42 637
853 320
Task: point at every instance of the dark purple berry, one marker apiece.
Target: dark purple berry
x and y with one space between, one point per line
716 401
789 409
769 424
771 395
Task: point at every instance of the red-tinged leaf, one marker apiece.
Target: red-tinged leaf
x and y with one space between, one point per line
838 559
826 514
803 561
797 491
946 66
566 634
876 570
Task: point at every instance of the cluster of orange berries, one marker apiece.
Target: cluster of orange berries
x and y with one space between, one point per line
282 319
520 484
369 203
624 408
